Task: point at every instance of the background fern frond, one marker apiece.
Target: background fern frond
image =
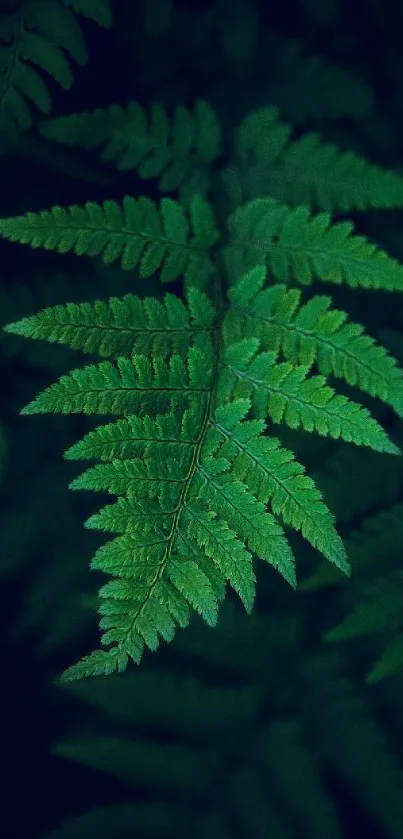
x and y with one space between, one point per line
380 609
282 754
97 10
39 33
307 171
389 662
279 784
178 151
300 84
382 533
349 740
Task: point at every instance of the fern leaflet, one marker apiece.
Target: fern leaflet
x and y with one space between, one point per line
136 234
178 154
312 334
267 161
295 244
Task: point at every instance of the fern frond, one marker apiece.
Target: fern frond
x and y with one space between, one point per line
380 610
159 18
137 234
295 777
267 161
201 485
97 10
390 662
121 477
222 545
178 151
280 391
312 333
193 475
373 548
295 244
238 35
43 34
198 501
97 663
301 84
353 744
122 326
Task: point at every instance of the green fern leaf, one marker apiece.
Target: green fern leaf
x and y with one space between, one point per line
122 476
98 663
286 393
171 522
123 326
118 388
193 476
189 579
295 244
312 333
247 515
138 234
133 434
273 475
194 483
223 547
